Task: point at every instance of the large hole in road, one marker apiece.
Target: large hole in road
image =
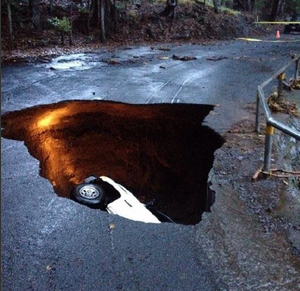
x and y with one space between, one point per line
159 151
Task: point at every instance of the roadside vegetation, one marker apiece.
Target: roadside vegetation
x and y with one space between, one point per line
40 25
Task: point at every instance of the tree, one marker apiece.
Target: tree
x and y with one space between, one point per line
103 16
10 27
216 5
246 5
292 6
275 9
51 6
36 14
169 10
101 19
63 25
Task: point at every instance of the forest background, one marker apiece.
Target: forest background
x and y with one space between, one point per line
37 26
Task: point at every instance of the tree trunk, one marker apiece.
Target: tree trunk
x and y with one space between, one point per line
102 20
94 13
169 10
51 7
281 8
249 5
10 24
36 14
275 9
216 6
115 17
239 4
62 38
70 38
71 21
101 16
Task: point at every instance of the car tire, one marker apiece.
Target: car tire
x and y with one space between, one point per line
88 194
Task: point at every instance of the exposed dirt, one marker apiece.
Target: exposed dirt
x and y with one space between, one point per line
270 200
252 234
161 153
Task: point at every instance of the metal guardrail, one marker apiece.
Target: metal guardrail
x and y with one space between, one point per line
271 121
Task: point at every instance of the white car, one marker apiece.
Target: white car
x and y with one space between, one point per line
104 193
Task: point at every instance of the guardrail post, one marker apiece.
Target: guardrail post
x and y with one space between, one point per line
268 147
280 85
257 125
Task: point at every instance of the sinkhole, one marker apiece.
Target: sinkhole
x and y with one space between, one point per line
160 152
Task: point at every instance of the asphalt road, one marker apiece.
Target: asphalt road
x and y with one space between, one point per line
52 243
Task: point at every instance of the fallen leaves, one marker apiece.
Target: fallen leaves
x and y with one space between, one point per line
216 58
277 104
295 84
113 62
161 48
164 58
183 58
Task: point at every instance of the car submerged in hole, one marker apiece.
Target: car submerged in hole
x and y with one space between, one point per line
288 28
105 194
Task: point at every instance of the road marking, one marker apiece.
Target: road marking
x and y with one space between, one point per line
178 91
6 149
50 203
163 85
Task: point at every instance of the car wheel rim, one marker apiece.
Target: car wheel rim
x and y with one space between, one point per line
89 192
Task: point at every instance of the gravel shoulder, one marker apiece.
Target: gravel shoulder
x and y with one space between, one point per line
253 230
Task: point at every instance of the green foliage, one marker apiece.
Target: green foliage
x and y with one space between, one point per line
229 11
292 6
64 24
83 8
227 3
259 4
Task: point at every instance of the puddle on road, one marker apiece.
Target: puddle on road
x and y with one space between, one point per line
74 62
158 151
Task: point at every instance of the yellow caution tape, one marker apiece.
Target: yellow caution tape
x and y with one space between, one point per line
249 39
277 22
263 40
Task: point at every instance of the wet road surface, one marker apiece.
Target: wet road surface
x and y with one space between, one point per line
52 243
